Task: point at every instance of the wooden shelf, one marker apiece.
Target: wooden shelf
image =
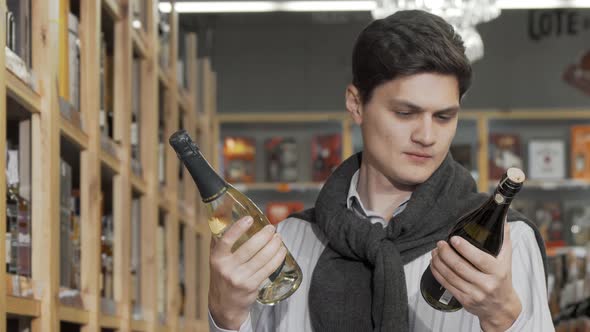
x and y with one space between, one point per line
140 44
113 8
164 202
577 250
530 115
278 186
202 228
201 325
186 215
203 122
564 184
281 118
73 133
22 93
163 77
72 315
138 325
557 184
110 161
108 321
138 184
183 100
22 306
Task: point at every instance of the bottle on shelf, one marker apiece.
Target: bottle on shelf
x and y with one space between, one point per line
103 113
106 254
225 205
135 117
162 267
12 203
65 243
18 222
161 156
134 136
76 240
482 227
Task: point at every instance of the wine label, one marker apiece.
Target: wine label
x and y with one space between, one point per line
499 199
12 167
102 118
161 162
8 248
134 133
446 297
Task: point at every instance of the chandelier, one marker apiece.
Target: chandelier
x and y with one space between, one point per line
464 15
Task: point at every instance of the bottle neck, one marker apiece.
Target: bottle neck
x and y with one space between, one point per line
501 198
211 186
506 191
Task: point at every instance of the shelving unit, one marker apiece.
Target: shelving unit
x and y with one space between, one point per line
481 119
53 136
474 129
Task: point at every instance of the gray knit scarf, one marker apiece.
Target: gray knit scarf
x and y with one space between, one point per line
358 283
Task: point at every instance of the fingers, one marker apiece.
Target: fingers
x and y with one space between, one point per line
440 277
230 236
480 259
270 267
256 243
459 268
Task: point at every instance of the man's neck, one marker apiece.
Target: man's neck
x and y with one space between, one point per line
378 193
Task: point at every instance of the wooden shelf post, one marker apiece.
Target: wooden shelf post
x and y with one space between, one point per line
2 162
90 181
45 132
122 182
149 160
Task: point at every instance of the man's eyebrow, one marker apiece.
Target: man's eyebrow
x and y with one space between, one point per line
452 109
406 104
416 108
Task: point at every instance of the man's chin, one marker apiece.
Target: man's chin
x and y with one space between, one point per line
416 178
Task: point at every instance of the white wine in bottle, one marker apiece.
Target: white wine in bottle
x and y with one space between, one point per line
226 205
482 227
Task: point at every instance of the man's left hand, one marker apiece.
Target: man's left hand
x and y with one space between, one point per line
481 282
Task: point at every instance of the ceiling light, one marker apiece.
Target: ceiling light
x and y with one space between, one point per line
311 6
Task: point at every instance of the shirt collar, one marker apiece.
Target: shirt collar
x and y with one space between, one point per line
354 200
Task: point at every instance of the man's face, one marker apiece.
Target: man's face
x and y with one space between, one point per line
408 125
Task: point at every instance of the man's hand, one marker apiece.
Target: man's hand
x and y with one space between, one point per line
480 282
236 277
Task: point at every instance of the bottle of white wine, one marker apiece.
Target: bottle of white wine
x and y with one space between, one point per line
226 205
482 227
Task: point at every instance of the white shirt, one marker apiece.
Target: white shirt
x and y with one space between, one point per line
306 243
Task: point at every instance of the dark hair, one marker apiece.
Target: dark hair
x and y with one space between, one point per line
406 43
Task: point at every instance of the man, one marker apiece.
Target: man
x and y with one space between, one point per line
380 218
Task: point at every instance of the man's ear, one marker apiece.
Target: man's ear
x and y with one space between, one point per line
354 106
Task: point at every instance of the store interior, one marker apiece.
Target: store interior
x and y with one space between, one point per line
105 229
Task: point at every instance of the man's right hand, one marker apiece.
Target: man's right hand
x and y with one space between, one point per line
236 277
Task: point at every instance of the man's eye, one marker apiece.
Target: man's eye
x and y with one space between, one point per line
445 116
403 114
